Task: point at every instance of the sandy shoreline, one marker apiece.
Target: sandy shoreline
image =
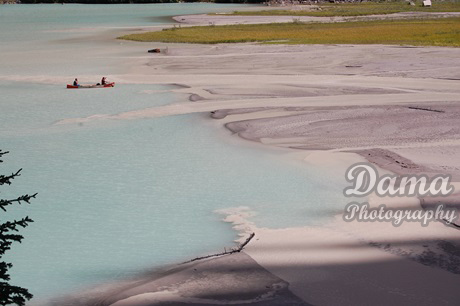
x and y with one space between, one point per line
231 280
335 105
221 19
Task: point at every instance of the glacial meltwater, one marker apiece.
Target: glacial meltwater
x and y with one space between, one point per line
119 197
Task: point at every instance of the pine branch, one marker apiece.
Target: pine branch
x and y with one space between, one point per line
3 153
6 179
25 198
12 226
10 294
4 269
5 246
13 294
7 239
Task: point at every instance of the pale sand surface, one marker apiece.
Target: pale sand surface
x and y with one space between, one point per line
227 280
221 19
327 103
353 263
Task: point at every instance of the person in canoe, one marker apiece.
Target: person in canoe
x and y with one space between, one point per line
103 82
75 82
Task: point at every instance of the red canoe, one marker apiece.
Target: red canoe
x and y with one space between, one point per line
92 86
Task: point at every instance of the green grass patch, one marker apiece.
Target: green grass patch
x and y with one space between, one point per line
429 32
358 9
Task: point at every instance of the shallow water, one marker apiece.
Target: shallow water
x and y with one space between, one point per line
48 39
118 197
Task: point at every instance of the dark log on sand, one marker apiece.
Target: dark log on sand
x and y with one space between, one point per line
237 250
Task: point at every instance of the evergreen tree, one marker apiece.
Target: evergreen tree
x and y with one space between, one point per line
10 294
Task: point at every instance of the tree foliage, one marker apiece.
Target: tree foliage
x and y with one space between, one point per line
10 294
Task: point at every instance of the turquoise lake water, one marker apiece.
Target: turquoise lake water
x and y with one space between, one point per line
118 197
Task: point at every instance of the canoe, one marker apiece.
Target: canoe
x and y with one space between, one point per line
92 86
